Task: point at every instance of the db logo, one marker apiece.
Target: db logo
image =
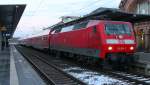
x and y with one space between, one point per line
121 48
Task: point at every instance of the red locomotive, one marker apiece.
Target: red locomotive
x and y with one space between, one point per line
91 40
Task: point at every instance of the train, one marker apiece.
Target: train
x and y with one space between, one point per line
90 40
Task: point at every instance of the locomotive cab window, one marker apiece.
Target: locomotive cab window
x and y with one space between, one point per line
117 29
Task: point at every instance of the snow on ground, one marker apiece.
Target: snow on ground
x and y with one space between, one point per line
93 78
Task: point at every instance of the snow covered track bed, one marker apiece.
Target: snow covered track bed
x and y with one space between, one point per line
94 78
133 78
90 77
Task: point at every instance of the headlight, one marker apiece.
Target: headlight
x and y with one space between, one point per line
112 41
131 48
109 48
129 41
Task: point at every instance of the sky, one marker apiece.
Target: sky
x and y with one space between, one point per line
40 14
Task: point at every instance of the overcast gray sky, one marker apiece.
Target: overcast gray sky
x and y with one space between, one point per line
44 13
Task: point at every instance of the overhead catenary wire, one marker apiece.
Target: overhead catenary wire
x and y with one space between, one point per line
87 7
34 13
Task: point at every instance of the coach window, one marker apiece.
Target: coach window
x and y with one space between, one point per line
66 29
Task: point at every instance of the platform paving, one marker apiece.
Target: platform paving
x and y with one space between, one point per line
142 62
21 72
143 57
5 67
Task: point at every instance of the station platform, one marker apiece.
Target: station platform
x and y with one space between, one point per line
143 57
143 62
15 70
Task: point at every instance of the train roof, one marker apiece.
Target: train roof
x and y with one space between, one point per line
107 14
41 33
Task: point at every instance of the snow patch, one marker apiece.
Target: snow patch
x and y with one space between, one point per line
93 78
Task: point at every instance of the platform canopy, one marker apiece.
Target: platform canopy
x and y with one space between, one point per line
117 15
108 14
9 17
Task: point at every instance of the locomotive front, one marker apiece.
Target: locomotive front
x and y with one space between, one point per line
120 41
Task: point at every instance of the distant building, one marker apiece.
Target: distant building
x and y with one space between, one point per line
142 28
13 41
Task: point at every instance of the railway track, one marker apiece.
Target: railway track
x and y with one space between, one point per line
51 73
131 78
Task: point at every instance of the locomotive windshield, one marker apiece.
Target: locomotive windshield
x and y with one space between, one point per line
117 29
